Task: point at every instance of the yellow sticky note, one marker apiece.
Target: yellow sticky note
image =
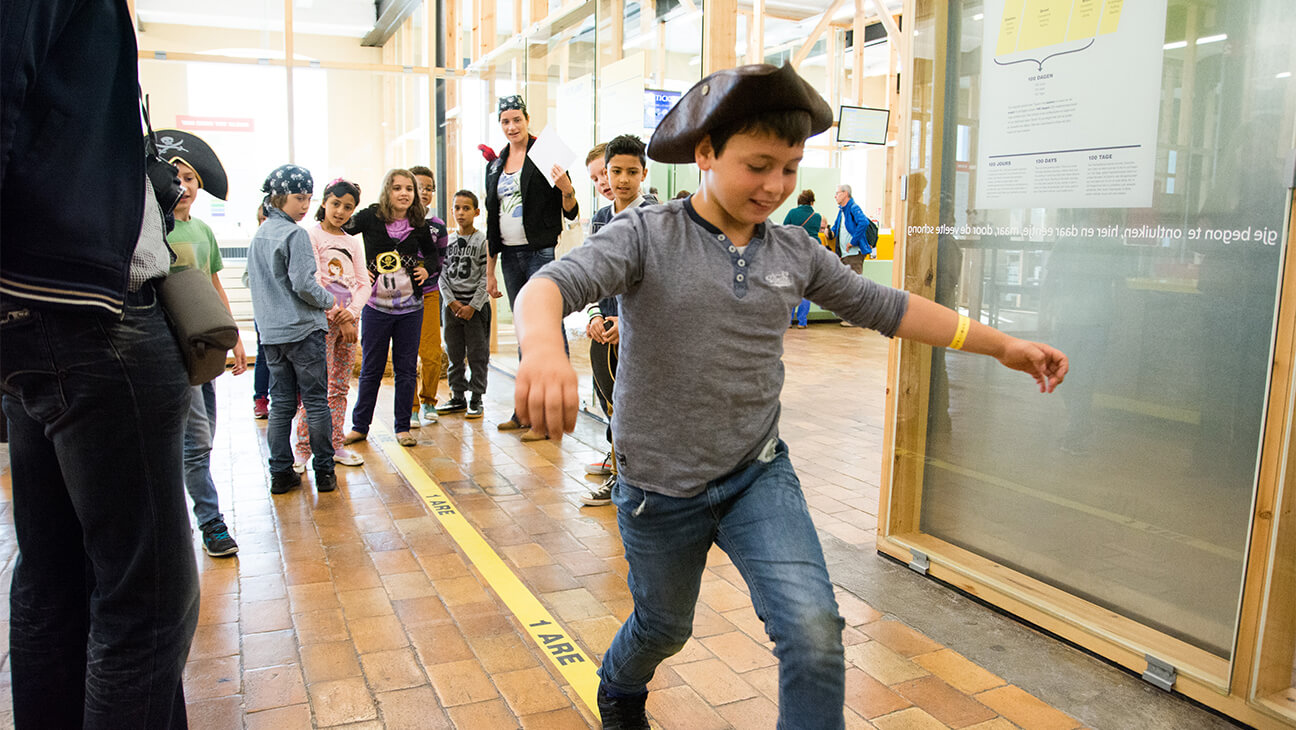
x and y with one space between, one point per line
1084 19
1111 16
1044 23
1009 28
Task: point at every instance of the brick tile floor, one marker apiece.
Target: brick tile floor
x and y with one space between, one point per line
355 609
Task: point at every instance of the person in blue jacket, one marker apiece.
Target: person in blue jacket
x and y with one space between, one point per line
857 224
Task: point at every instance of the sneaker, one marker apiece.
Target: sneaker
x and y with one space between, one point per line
261 408
284 481
414 419
622 713
475 409
347 457
216 539
299 466
456 404
600 468
600 495
325 481
429 413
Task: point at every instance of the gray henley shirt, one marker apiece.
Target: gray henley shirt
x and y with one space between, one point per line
702 326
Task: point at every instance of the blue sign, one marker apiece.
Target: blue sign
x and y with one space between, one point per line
656 104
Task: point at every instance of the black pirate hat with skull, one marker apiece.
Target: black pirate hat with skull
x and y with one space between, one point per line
177 145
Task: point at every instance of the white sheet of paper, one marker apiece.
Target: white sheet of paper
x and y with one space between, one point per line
549 150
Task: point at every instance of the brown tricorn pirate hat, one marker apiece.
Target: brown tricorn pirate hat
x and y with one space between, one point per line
728 96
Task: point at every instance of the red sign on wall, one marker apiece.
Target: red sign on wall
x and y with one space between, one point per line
215 124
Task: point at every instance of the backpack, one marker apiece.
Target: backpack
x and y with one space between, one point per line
870 236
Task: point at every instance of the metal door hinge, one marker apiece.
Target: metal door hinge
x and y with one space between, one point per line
1159 674
919 563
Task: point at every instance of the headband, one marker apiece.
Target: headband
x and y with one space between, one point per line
512 102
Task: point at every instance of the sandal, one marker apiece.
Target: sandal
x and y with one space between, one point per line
512 424
534 435
405 439
353 437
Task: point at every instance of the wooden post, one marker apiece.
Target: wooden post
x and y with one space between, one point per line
486 23
454 156
719 34
288 73
756 37
824 21
859 31
1274 522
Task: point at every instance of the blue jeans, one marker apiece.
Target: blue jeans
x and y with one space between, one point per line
104 598
199 430
801 313
378 330
298 368
758 516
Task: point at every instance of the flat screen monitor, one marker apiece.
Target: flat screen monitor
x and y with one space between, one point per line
862 124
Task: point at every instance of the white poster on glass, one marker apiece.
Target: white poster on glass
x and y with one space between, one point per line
1070 93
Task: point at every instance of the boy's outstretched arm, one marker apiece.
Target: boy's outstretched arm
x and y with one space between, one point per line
928 322
545 393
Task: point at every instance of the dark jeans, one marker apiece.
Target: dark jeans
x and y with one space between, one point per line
299 368
104 598
467 346
758 516
518 267
378 330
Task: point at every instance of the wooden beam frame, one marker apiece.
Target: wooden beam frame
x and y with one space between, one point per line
824 21
288 74
719 34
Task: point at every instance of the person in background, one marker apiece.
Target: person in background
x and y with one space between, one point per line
295 316
260 370
104 597
429 352
681 195
597 169
804 216
524 216
627 167
850 213
195 247
467 310
400 243
340 269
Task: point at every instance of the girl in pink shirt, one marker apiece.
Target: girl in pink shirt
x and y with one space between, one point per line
340 268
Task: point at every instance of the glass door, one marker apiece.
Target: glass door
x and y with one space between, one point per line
1112 178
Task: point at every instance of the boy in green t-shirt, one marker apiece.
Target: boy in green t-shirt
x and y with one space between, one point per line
195 247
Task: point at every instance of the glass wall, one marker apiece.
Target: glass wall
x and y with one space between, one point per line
1116 186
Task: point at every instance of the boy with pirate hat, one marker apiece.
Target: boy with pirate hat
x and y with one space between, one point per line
195 247
713 470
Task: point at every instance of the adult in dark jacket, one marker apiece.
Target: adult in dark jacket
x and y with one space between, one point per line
524 214
104 598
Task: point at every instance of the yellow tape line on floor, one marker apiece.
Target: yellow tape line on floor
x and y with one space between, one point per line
555 641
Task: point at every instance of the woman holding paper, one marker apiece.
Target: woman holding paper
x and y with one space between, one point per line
524 214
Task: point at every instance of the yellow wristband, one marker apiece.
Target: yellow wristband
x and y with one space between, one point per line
964 324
